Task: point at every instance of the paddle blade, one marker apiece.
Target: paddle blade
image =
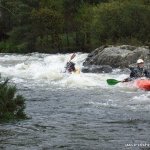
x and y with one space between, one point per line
73 55
112 81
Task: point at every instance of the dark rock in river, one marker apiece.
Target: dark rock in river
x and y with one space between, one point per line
97 69
119 56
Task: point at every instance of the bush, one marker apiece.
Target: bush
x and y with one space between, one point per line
7 47
122 20
11 105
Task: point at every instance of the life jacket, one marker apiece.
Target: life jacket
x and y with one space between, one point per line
138 72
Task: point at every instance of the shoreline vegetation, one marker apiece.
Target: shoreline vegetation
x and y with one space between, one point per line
12 105
50 26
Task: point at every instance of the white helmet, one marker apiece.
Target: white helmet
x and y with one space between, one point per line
140 61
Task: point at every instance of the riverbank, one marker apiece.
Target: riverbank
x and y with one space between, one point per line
66 26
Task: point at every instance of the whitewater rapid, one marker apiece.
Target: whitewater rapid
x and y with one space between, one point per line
50 69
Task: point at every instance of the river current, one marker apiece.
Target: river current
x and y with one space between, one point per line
73 111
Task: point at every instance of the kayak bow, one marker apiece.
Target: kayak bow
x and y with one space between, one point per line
143 84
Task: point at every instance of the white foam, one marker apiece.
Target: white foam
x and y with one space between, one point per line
142 98
49 69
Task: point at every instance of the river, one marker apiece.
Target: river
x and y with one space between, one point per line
73 112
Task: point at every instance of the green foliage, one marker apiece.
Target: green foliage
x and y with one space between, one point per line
56 26
46 21
8 47
46 27
115 21
11 105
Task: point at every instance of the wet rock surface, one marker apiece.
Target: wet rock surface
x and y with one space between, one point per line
117 56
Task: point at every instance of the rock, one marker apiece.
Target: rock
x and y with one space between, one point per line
97 69
117 57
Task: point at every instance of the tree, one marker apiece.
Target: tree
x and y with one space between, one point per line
48 23
11 105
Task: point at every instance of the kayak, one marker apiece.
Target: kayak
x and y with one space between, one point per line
143 84
77 71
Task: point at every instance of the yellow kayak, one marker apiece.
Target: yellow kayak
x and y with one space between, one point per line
77 71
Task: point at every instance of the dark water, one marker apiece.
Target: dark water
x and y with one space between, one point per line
86 119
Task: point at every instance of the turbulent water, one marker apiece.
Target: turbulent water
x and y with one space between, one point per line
73 111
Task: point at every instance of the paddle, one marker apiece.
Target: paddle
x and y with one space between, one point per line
72 56
112 81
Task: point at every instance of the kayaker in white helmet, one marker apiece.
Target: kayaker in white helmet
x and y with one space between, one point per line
138 72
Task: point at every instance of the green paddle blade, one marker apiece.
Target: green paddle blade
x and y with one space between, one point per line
112 81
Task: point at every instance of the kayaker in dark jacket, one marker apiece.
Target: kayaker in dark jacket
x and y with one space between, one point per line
138 71
70 67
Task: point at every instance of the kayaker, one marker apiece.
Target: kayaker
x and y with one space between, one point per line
138 71
70 67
